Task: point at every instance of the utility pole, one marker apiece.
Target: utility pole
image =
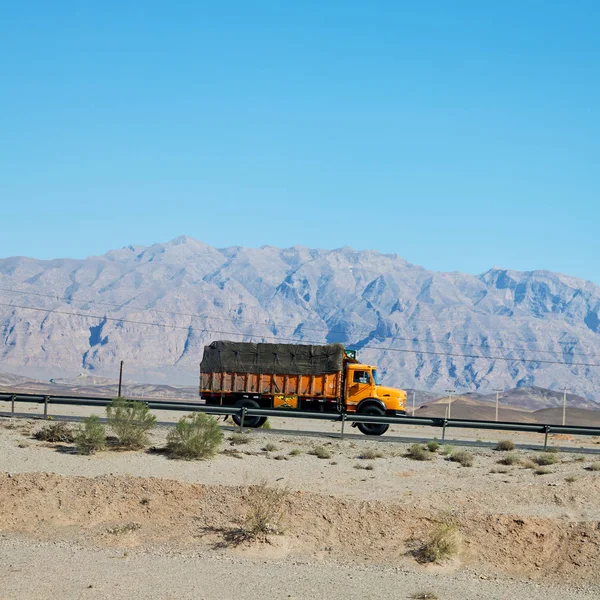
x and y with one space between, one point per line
120 379
414 403
564 407
497 400
450 401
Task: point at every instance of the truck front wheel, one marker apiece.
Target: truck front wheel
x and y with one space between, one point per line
372 428
248 421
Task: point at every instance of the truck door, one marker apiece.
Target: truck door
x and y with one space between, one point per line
359 385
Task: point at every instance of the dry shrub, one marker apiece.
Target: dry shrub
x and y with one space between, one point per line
91 437
370 454
130 421
321 452
59 432
505 446
546 458
419 452
543 471
464 458
594 467
196 436
424 596
295 452
236 439
270 447
510 459
527 463
442 543
266 509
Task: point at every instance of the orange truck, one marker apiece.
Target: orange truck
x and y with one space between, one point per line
326 379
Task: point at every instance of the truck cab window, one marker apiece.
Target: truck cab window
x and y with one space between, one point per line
361 376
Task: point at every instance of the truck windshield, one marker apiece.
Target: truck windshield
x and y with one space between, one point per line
376 378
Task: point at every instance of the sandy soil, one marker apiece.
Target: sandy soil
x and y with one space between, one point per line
519 530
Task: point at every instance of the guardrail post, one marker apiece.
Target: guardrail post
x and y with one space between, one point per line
12 405
546 432
242 417
46 399
444 429
343 421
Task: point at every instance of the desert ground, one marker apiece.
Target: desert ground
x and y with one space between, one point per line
138 524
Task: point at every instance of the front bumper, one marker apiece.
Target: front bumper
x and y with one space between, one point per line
395 413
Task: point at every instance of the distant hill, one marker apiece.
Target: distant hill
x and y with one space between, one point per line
535 398
156 307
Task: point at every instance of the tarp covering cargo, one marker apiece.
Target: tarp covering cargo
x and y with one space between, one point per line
279 359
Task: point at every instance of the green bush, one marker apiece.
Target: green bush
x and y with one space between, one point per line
419 452
446 450
196 436
130 421
543 471
56 432
594 467
236 439
433 446
91 437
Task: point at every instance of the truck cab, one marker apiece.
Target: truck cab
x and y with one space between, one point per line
365 395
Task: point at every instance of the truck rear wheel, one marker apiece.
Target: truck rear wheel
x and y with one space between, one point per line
372 428
248 421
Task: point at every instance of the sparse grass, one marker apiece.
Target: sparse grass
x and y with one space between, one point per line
502 470
510 460
237 439
125 528
543 471
527 463
546 458
433 446
58 432
579 459
363 467
553 449
266 508
571 479
295 452
270 447
595 466
442 543
446 450
505 446
91 437
266 425
130 421
424 596
370 454
320 452
419 452
464 458
196 436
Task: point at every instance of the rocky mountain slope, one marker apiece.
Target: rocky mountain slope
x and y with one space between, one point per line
424 329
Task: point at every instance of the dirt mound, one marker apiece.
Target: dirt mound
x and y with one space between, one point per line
129 512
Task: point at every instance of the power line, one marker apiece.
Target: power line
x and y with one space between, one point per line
207 330
234 320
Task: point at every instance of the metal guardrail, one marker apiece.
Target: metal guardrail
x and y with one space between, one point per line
343 418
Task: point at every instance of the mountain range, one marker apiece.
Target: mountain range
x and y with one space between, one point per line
156 307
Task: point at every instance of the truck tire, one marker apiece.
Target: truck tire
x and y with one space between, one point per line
248 421
370 408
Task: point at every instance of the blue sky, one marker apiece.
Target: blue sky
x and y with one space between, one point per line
459 135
